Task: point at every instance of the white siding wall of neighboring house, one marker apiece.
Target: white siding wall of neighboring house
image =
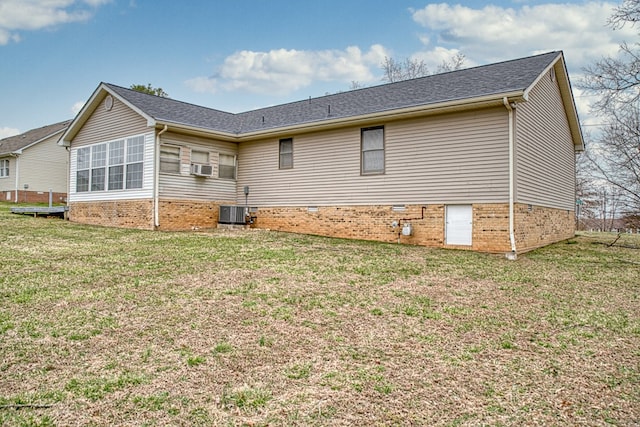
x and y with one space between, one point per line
545 172
106 125
43 166
184 185
452 158
143 193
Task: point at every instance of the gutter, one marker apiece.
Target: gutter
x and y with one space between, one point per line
156 179
512 237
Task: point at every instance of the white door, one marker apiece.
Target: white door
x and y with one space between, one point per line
458 225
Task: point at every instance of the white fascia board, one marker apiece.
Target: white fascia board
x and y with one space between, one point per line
402 113
94 101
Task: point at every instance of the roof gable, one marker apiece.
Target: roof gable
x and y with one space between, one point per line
17 143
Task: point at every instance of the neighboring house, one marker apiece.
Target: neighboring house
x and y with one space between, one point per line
481 158
32 164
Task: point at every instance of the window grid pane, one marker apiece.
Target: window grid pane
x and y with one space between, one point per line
135 149
97 179
134 175
99 156
116 177
82 181
116 152
84 158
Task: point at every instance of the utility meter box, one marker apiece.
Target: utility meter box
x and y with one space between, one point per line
407 230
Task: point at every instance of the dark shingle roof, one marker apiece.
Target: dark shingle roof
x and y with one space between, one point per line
169 110
493 79
17 142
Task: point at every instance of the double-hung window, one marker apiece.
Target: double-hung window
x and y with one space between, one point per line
372 150
4 168
286 153
114 165
227 166
169 159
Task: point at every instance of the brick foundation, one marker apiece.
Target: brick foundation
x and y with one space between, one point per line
534 226
357 222
534 229
189 214
26 196
537 226
121 213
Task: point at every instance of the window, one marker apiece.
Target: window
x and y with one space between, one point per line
169 159
286 153
373 150
98 164
201 157
114 165
227 166
4 168
135 157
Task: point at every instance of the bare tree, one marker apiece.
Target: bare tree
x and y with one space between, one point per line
627 12
456 62
412 68
615 150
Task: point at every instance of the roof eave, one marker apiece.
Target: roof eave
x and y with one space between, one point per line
195 130
492 100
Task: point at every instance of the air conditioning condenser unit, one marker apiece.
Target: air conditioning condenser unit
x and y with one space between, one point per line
236 215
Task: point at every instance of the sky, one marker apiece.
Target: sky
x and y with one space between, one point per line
238 55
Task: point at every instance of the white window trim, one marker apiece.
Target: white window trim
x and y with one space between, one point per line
125 163
5 165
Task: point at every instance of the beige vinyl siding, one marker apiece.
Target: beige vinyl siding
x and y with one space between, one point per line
140 193
545 156
187 186
453 158
103 125
43 166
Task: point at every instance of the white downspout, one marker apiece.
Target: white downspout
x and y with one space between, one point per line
17 172
512 237
156 179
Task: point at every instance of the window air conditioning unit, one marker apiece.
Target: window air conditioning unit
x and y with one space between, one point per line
201 170
232 215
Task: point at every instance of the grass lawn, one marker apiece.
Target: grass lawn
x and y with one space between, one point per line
104 326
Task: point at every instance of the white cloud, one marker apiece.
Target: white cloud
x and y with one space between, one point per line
75 109
494 33
20 15
283 71
6 132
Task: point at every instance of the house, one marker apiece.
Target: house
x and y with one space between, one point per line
480 158
32 164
